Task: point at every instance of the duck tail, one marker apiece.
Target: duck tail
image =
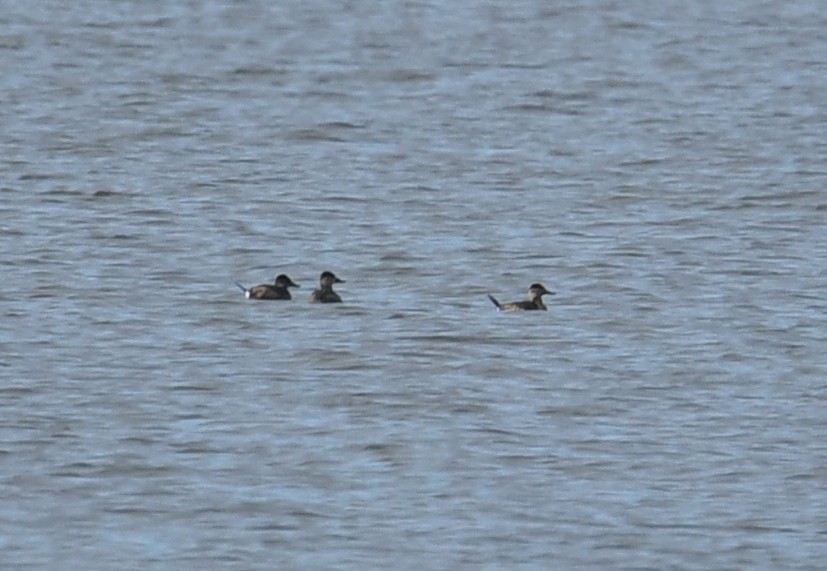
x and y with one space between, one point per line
244 289
494 300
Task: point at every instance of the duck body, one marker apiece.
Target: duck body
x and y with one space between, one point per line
278 290
534 302
325 293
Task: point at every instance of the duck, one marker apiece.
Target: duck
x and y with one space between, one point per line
536 291
277 290
325 293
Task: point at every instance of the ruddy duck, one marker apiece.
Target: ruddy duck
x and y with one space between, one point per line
325 293
278 290
535 300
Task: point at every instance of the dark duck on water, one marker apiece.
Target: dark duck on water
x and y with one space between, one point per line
325 293
535 300
277 290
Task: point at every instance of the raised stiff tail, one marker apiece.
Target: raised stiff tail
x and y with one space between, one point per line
244 289
494 300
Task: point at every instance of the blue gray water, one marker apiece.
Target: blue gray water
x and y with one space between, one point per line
660 165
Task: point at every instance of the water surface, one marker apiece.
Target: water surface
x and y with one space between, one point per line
659 165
